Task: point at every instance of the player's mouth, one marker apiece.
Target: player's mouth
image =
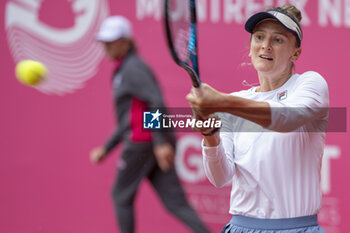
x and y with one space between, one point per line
266 57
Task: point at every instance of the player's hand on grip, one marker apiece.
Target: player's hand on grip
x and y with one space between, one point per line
98 154
205 101
165 155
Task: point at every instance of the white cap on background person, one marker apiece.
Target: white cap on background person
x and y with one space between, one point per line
113 28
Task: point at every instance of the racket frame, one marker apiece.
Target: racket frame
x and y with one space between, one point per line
192 46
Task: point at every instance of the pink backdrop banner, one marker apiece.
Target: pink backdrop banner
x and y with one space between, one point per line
47 181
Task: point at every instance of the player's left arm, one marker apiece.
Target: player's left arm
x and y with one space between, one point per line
309 102
211 101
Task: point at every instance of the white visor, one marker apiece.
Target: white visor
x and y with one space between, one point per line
284 19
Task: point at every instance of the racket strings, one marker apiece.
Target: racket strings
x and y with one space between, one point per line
182 45
180 29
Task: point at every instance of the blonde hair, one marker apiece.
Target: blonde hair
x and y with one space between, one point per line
292 11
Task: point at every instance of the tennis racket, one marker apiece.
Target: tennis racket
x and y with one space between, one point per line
181 33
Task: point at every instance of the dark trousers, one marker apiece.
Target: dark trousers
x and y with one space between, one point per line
138 162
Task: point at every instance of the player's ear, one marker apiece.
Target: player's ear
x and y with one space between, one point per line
296 54
250 53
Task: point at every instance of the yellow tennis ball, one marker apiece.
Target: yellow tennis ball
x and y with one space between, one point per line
31 72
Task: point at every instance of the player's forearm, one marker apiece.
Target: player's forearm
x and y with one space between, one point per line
257 112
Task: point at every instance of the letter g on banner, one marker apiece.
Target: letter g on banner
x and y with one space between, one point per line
61 35
189 165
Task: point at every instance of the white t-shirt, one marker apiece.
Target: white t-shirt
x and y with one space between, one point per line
275 172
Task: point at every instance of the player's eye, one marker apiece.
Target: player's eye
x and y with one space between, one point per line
259 37
278 40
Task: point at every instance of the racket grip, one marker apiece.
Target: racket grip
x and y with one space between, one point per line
198 91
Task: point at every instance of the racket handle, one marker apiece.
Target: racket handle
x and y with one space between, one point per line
198 91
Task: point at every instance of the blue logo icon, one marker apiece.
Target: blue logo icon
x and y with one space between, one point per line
151 120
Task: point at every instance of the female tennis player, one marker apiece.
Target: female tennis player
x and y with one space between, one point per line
275 167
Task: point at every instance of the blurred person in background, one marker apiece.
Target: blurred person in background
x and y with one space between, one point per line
146 154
